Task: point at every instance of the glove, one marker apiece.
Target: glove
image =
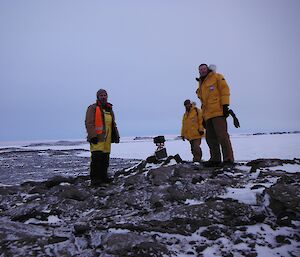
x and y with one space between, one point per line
236 122
183 138
201 132
225 110
94 140
197 79
235 119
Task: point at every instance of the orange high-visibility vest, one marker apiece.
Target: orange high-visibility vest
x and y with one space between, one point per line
99 126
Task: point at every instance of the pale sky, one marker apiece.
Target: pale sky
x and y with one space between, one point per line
56 54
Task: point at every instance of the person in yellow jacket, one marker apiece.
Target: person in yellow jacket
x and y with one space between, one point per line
101 132
192 129
214 95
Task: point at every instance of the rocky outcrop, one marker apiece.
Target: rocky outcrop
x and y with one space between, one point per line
156 209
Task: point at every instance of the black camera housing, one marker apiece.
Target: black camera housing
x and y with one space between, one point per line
159 140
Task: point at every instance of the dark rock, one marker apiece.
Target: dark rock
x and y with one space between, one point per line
57 239
280 239
174 193
259 217
81 228
152 159
38 189
196 180
201 248
213 232
177 158
285 201
160 176
73 193
9 190
257 187
149 249
58 180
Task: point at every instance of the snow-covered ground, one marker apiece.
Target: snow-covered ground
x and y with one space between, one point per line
246 147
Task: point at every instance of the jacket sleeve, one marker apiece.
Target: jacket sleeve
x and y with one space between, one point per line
224 90
198 92
182 127
200 120
90 123
115 136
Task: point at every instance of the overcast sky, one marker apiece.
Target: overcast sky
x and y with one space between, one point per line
55 55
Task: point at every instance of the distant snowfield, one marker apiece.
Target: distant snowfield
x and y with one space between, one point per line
246 147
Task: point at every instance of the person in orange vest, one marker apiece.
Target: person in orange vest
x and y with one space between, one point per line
192 128
101 132
214 94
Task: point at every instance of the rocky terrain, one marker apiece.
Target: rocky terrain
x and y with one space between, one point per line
167 208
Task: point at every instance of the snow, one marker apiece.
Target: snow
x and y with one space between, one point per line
246 194
52 219
193 202
285 146
291 168
266 234
246 147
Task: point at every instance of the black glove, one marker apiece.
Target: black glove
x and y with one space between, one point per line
197 79
204 123
236 122
183 138
94 140
235 119
225 110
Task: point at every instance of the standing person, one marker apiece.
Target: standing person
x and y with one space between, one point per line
102 131
214 94
192 128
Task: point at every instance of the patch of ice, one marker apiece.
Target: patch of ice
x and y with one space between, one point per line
193 202
118 231
53 219
243 195
291 168
255 174
33 221
43 154
65 184
211 251
246 194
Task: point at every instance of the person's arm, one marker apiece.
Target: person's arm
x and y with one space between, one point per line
90 123
200 122
224 90
115 136
182 129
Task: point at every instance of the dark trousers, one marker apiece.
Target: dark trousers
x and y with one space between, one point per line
216 136
196 150
99 166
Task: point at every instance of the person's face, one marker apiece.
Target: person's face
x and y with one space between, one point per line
203 70
102 97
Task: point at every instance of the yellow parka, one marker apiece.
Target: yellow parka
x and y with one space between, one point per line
192 124
213 93
111 132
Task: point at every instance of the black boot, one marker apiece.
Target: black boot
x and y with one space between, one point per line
210 164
